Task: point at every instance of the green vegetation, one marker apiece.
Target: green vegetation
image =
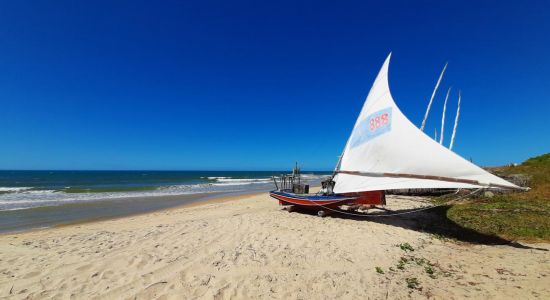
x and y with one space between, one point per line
517 215
420 261
412 283
406 247
430 271
440 237
429 268
379 270
402 262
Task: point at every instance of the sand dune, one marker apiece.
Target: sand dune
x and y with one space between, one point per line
248 247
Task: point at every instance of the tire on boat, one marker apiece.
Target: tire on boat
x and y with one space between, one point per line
322 213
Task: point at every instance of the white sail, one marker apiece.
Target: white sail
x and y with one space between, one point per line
386 151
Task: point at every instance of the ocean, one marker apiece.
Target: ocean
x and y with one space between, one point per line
40 199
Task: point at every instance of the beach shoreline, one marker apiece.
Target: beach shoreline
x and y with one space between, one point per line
183 201
31 200
248 247
211 199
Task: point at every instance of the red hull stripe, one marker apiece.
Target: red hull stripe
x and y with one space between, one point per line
308 202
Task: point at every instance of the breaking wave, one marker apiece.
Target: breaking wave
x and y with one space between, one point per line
17 198
14 189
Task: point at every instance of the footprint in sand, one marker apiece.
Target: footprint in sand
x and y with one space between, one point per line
84 268
107 274
31 274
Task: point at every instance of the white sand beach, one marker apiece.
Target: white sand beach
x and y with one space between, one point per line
246 247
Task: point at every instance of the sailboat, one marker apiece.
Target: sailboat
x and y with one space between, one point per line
386 151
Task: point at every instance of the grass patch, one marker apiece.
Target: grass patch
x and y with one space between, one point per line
517 215
406 247
412 283
402 262
440 237
379 270
430 271
420 261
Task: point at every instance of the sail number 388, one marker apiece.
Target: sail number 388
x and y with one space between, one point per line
379 121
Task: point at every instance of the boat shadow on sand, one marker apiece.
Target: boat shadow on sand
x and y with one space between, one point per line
432 221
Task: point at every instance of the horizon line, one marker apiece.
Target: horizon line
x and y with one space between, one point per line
152 170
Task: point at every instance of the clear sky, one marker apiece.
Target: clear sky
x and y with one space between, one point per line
218 85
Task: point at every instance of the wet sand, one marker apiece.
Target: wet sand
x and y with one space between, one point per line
247 247
89 211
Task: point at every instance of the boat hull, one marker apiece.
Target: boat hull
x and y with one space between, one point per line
311 201
332 201
368 198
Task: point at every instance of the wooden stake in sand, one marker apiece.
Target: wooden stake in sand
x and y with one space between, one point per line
432 98
456 122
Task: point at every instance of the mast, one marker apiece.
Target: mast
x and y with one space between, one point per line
456 122
432 97
337 168
443 117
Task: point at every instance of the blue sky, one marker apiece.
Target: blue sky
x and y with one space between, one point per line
219 85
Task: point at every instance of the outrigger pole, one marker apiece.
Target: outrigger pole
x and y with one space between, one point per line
456 122
443 117
432 98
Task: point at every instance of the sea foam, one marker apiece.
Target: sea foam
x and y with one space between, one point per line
17 198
